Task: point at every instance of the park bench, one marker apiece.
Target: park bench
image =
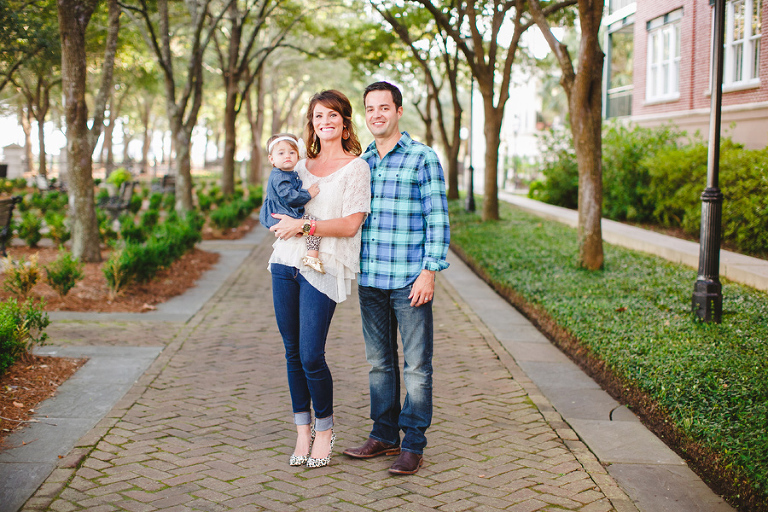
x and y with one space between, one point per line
6 216
44 184
167 185
119 203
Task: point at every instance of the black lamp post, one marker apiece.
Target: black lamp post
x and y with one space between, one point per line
707 292
470 206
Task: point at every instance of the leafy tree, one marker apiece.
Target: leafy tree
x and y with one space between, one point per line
26 31
252 30
37 92
169 28
438 58
37 67
475 26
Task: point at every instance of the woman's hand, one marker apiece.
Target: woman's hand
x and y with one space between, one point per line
288 227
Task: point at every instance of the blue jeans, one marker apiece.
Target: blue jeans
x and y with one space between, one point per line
303 318
383 311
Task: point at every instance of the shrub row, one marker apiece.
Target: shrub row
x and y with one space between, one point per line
655 176
231 214
61 274
140 261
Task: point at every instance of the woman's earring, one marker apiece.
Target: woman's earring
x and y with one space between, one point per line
345 134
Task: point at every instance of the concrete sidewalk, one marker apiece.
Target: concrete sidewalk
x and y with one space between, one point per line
207 426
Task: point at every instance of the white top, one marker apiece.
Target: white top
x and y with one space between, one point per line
346 191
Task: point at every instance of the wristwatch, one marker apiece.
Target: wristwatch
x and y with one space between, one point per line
306 228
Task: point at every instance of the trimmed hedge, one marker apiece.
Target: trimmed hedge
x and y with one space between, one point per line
232 214
653 176
168 241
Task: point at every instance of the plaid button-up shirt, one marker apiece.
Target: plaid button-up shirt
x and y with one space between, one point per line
407 230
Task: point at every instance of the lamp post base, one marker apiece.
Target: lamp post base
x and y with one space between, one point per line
708 300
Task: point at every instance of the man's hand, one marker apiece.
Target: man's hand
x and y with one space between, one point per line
423 289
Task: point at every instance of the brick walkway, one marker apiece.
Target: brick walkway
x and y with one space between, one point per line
208 426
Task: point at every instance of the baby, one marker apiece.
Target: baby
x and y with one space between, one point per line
285 193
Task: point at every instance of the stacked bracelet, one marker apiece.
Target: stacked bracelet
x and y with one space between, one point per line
313 223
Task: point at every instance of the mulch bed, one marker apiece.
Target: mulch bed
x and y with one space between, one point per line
27 383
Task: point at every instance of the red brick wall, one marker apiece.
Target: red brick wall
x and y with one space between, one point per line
696 35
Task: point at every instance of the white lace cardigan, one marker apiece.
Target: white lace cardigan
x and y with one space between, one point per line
346 191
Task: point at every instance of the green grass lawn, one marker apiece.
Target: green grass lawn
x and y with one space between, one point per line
710 380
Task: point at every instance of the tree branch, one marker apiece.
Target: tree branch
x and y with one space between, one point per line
107 72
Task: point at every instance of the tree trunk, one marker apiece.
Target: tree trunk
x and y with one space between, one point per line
492 131
257 128
429 135
231 75
454 147
42 170
43 103
183 171
585 103
146 143
109 131
74 17
230 143
584 91
127 138
25 117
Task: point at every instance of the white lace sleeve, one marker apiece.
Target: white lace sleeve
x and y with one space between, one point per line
357 193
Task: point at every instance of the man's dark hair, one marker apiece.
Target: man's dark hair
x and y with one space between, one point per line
397 96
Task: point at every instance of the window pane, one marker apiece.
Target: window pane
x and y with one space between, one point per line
757 8
738 21
738 61
676 77
756 58
664 61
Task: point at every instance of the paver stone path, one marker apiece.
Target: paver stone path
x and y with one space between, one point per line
208 427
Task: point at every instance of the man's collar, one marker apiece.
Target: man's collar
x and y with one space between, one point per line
405 141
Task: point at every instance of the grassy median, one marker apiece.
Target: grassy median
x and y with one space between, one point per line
702 387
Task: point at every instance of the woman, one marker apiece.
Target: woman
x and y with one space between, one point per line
305 299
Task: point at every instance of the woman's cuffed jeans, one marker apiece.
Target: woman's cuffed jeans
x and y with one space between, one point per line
303 318
383 312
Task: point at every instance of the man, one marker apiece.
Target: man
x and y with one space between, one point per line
404 243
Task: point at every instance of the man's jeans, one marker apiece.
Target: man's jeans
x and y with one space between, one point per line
382 312
303 317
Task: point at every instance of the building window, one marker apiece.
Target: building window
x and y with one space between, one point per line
663 75
742 42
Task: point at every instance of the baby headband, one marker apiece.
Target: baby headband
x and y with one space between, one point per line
279 139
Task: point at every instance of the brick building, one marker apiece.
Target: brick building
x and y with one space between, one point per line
658 65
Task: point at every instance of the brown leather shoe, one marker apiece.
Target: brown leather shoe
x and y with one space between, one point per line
372 448
408 463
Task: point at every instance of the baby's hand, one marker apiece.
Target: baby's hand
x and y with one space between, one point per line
313 190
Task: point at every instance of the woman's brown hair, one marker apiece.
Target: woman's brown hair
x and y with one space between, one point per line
337 102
